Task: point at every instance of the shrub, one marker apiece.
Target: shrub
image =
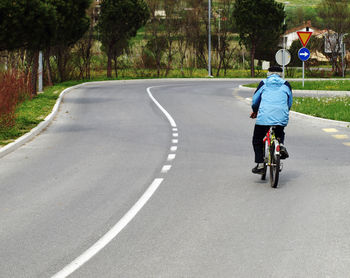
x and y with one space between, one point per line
14 88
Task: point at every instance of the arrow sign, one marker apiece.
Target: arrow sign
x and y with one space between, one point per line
304 54
304 37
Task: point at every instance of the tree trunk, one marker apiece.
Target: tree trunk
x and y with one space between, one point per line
116 66
252 56
29 60
62 62
158 62
109 65
88 55
170 60
35 66
221 61
48 67
182 65
168 66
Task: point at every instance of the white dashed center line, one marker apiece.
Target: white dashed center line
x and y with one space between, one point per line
124 221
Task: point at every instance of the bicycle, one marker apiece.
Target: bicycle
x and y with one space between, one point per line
272 157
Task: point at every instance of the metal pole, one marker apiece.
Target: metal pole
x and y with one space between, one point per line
209 38
219 29
40 72
342 58
284 47
283 53
303 74
283 61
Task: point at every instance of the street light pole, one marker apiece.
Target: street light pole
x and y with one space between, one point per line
209 38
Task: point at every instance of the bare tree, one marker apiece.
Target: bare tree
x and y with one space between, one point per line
155 34
335 15
224 25
172 26
197 31
85 44
183 42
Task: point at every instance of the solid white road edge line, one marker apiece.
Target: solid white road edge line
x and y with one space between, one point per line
111 234
170 119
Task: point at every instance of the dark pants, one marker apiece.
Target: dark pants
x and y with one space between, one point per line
259 134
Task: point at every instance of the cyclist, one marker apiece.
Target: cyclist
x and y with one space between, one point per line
271 103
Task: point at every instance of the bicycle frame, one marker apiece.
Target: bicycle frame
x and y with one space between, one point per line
270 137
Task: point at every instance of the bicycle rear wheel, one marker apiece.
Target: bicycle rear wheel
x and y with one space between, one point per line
274 167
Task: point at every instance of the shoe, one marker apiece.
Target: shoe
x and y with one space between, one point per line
283 152
258 169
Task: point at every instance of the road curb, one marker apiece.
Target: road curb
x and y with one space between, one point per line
39 128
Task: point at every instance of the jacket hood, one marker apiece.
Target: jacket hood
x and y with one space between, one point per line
274 81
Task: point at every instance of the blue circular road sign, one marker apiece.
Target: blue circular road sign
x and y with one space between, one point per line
304 54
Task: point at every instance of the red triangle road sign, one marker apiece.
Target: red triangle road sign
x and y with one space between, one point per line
304 37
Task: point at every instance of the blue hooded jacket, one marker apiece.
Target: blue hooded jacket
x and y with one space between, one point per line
273 99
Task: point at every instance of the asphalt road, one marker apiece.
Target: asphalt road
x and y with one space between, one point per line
208 217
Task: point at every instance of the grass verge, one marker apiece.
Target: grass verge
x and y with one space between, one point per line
328 85
334 108
31 112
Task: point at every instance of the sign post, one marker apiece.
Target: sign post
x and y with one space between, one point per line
304 53
283 58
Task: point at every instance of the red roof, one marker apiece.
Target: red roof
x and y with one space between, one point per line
306 24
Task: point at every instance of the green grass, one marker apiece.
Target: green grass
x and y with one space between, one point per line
335 108
31 112
302 3
328 85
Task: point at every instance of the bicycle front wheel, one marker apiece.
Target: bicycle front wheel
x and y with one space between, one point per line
274 167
